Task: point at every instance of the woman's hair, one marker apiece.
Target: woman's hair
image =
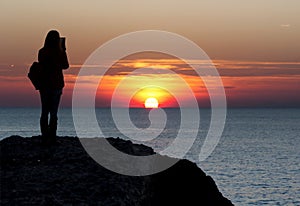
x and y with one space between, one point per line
52 40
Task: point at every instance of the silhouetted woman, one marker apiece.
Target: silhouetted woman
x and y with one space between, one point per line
54 59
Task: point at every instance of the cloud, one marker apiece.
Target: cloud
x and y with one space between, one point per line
285 25
12 79
258 69
225 68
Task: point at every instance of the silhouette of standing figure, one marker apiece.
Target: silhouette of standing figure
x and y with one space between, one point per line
53 59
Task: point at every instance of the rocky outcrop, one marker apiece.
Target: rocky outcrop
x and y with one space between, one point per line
64 174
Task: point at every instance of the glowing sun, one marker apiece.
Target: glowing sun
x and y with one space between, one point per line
151 102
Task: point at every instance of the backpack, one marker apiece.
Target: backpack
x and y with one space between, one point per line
36 75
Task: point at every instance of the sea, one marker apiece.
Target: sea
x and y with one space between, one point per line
256 161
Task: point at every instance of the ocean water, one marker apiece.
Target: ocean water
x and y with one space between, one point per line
257 160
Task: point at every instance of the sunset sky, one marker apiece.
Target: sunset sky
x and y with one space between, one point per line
255 46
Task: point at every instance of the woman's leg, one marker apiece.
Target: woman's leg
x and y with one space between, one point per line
44 112
55 99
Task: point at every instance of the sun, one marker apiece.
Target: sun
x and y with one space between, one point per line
151 102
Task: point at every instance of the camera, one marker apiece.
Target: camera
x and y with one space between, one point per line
63 43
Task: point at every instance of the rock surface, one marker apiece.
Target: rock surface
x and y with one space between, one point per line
64 174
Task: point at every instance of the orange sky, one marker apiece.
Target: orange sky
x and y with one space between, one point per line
254 45
247 84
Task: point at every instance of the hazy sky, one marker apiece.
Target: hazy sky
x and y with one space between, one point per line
225 29
231 30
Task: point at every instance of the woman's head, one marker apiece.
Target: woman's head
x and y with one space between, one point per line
52 39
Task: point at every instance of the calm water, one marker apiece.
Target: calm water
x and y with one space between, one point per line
257 161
